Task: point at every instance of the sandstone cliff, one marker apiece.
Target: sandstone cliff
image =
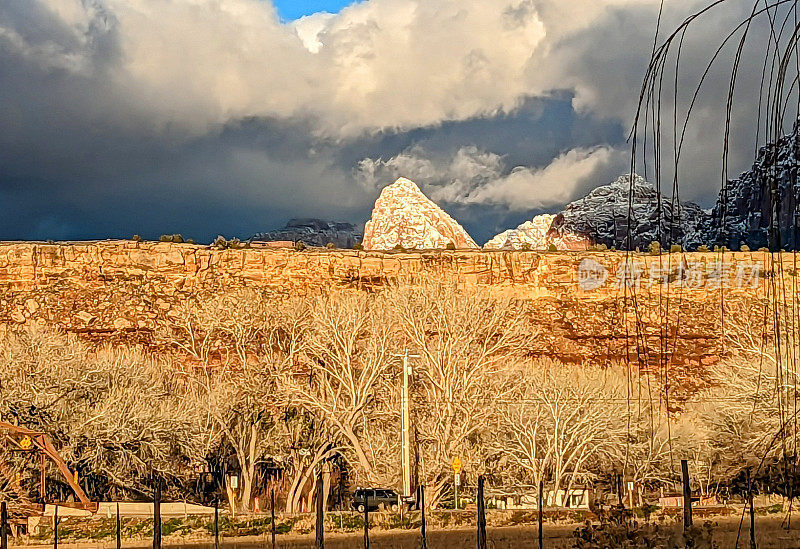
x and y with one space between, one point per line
126 289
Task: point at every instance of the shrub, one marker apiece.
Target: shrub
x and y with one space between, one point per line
654 248
552 248
450 246
136 238
330 246
176 238
235 243
299 245
744 247
675 249
702 248
618 528
525 247
399 248
220 242
763 249
190 241
358 246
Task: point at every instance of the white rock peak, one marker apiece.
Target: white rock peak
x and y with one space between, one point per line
403 216
531 234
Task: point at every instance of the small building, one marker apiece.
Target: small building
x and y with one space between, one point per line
528 498
676 500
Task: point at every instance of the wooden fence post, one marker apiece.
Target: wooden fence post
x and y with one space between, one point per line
157 514
55 527
752 512
119 529
687 495
3 526
272 510
481 515
216 523
320 526
541 514
423 528
366 519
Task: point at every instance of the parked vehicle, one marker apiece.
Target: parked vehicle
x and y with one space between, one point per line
375 498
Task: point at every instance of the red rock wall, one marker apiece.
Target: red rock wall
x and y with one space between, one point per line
123 287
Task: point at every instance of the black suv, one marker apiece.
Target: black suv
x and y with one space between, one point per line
375 497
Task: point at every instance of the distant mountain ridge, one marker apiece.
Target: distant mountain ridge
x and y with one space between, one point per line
602 217
743 210
403 217
314 232
628 214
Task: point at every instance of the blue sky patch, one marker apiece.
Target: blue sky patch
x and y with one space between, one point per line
295 9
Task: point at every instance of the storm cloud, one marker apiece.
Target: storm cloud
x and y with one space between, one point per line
213 116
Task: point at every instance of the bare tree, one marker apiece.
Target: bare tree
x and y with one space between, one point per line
114 413
560 422
464 339
343 376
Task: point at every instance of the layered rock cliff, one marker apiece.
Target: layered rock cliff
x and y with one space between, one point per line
129 289
404 217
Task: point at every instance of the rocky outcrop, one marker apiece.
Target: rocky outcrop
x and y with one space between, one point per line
314 232
531 235
404 217
743 210
603 217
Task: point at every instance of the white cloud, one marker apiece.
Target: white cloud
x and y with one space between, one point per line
376 64
473 176
309 28
557 183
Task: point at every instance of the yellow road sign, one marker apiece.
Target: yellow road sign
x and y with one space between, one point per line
457 465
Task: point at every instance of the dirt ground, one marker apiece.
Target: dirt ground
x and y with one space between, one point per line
769 529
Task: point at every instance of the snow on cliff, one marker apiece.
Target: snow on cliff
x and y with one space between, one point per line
404 216
744 209
531 234
602 217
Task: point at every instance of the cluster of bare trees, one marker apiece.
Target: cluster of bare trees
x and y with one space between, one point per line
311 386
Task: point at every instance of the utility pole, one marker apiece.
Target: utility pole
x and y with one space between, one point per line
406 429
405 425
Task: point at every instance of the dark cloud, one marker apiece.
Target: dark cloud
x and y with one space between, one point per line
118 118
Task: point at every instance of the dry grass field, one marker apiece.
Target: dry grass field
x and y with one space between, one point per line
771 534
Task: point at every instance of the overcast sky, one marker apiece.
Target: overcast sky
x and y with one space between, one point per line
229 117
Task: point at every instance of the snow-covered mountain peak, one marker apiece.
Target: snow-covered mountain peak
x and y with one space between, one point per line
403 216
